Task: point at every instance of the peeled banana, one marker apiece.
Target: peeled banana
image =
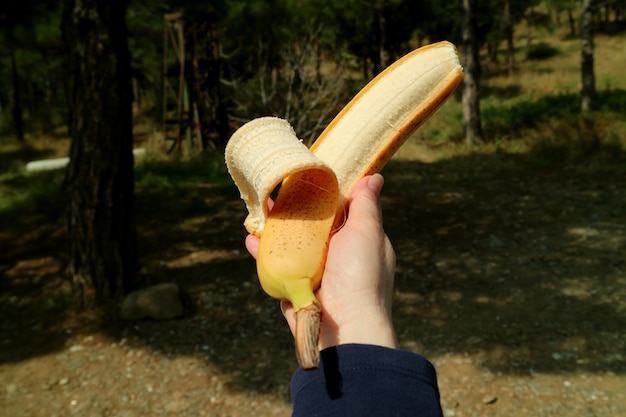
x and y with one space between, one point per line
315 184
294 237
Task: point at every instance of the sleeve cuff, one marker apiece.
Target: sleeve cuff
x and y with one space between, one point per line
366 380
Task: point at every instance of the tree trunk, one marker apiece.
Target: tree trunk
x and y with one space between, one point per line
384 55
509 31
471 66
572 22
99 180
492 52
214 100
530 15
365 63
587 71
606 17
16 101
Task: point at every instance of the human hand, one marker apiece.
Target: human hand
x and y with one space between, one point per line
357 285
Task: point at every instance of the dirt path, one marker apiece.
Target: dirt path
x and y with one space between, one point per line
511 279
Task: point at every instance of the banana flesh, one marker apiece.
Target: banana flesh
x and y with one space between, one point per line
316 183
259 156
379 119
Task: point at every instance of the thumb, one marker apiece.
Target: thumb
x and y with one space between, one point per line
364 201
287 308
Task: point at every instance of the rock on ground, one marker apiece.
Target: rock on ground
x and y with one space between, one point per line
160 302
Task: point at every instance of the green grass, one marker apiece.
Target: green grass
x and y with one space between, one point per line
21 194
172 173
537 111
32 197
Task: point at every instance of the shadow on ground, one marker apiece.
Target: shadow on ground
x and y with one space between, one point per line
526 268
520 262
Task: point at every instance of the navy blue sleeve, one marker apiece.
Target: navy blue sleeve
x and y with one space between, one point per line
365 380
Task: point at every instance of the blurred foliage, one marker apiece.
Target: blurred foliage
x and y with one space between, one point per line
529 111
259 41
541 51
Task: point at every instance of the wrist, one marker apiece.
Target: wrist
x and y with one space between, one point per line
372 329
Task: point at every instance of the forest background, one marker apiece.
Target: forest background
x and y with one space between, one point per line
268 56
196 71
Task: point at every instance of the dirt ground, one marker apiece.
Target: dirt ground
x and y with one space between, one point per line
511 279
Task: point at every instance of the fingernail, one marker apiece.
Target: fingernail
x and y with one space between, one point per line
376 183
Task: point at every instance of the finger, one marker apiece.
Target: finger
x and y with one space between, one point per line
365 200
252 244
287 308
375 183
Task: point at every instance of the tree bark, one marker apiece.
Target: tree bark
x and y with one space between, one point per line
572 22
16 101
384 55
99 179
213 112
471 83
587 70
509 31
